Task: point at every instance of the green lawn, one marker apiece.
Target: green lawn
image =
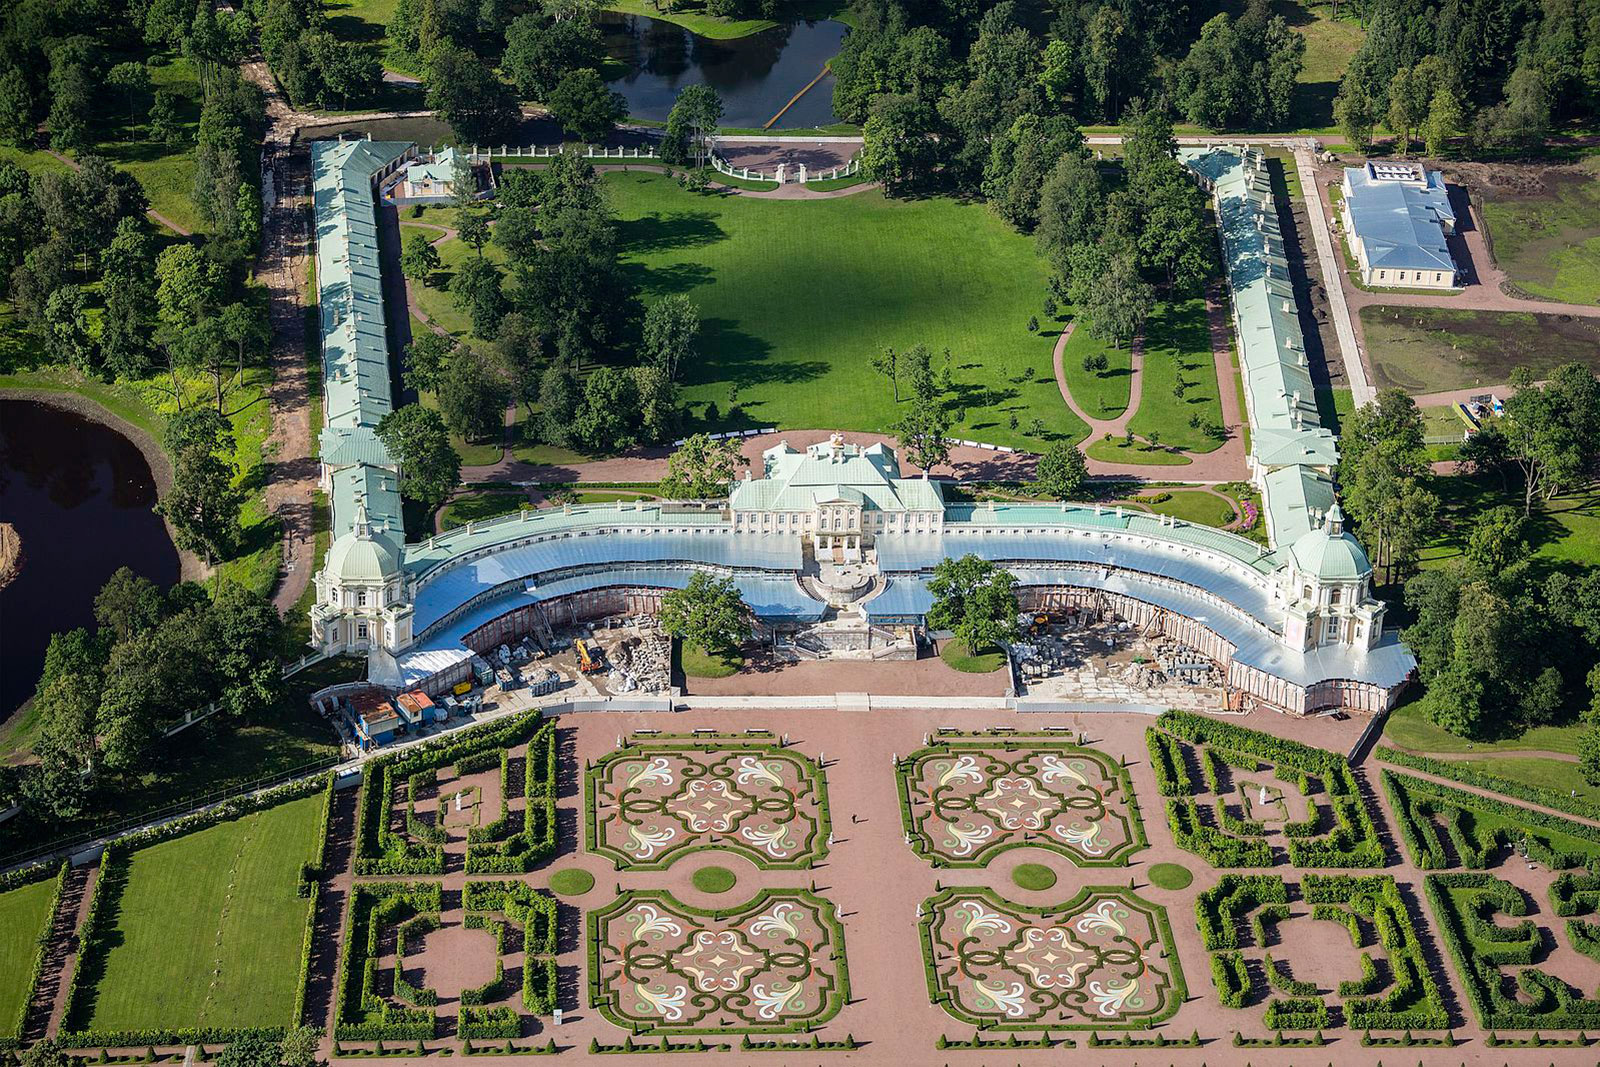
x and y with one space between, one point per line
1330 45
1193 505
956 654
1428 350
1103 394
24 920
698 662
1177 344
206 930
1408 728
691 16
796 297
1559 775
1549 244
366 22
1564 532
1332 406
1117 450
435 300
474 507
165 171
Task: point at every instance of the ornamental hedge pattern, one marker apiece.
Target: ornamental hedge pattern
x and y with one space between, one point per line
1485 952
510 844
1337 831
773 965
535 915
965 800
370 1006
655 800
1408 999
1481 829
1102 960
1467 774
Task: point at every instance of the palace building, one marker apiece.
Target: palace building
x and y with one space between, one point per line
1293 625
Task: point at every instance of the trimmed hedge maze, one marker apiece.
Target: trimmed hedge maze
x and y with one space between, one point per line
1233 827
1444 827
773 965
1102 960
656 800
1399 995
389 843
966 799
375 1006
1495 960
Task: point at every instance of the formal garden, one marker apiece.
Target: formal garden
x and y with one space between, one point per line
773 965
1242 798
966 799
1330 950
1102 960
656 800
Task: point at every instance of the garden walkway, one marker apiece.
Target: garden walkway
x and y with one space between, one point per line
1224 464
64 938
151 212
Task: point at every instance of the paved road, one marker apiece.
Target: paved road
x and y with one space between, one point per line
1334 280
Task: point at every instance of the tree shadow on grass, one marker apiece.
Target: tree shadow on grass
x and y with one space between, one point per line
665 232
669 279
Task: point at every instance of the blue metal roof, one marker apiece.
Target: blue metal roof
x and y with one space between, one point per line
449 588
1399 222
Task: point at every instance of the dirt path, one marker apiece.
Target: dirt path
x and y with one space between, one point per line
323 977
292 470
151 212
64 937
1100 427
1517 753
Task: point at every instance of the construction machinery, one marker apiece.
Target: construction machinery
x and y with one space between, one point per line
589 662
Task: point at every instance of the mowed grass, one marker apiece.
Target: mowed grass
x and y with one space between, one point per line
1193 505
1428 350
796 298
1101 393
692 17
1550 244
1408 728
165 171
24 919
206 930
1177 345
1330 45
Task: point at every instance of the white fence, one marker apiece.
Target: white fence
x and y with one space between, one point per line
730 435
783 172
535 151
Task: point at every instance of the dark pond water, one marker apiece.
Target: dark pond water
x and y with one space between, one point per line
756 75
80 495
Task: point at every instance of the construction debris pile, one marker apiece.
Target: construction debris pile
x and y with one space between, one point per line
1174 662
641 664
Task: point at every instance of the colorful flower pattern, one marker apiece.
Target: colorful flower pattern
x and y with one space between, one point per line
1102 961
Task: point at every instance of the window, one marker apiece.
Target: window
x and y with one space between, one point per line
361 598
1305 592
1400 276
361 631
1333 629
1333 598
1438 277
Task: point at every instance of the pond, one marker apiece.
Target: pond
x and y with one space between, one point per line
80 495
755 75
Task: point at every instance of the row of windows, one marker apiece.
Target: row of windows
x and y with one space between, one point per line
1417 275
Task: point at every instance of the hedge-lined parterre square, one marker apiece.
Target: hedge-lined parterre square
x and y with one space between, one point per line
407 808
651 802
966 799
1389 985
773 965
200 928
1255 791
1481 830
1103 959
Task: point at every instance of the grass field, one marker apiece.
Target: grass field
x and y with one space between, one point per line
165 171
1177 344
207 928
1103 394
1408 728
691 16
1330 45
1427 350
1117 450
1550 244
1563 532
699 662
957 655
474 507
1192 505
24 919
796 298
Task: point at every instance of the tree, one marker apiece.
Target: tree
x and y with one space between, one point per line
976 600
670 328
540 53
886 361
426 358
17 120
585 107
1445 119
245 326
521 356
203 502
1355 113
1020 161
1061 473
1117 302
560 393
132 78
476 289
897 147
1552 431
1495 542
691 124
128 604
418 438
478 106
472 227
1175 237
605 421
47 1053
165 124
701 469
246 640
420 260
471 398
922 432
66 325
659 410
708 613
1072 207
250 1050
301 1045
